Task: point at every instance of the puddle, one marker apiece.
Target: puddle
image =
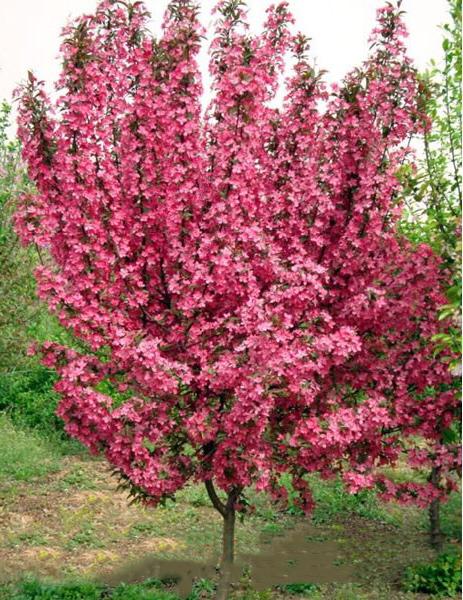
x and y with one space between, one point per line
300 555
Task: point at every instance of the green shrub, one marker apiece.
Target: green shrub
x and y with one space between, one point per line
18 303
442 578
29 399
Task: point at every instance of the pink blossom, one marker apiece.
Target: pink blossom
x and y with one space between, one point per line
238 278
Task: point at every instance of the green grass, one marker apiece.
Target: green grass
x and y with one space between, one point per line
332 500
25 454
84 525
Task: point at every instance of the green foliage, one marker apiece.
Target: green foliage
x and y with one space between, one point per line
331 500
26 387
28 400
451 339
433 194
28 397
293 508
25 455
18 304
37 590
451 517
442 578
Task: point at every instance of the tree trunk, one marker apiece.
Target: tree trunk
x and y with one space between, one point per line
434 525
435 532
228 537
228 544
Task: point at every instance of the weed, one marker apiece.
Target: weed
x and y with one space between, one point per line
30 538
141 529
298 589
77 478
85 537
245 591
202 589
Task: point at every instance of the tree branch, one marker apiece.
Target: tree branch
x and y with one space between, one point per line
216 502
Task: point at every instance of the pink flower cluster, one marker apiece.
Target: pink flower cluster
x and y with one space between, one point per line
243 304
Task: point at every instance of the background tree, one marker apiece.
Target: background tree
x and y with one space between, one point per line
433 201
18 303
25 385
244 305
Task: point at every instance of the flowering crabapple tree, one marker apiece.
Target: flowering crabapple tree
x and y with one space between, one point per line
242 302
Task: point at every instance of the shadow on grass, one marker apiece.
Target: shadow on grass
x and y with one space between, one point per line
299 556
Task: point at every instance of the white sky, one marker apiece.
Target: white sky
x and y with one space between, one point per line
29 32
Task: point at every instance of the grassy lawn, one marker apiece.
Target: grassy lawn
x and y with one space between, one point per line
61 520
